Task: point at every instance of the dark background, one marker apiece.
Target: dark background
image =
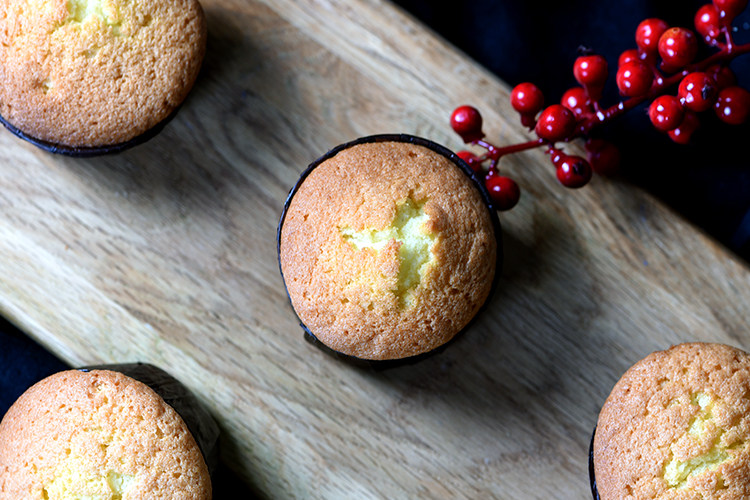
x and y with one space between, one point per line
708 181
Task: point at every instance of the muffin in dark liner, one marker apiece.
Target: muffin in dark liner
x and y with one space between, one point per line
199 421
89 151
676 424
478 184
108 431
85 79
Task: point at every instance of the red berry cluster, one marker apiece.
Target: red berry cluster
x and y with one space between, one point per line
664 58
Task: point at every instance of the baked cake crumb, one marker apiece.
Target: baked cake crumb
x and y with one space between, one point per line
87 73
100 435
676 425
387 250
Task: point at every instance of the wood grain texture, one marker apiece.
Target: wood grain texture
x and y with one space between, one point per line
166 254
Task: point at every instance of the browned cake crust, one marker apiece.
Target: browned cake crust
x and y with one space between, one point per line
676 426
96 72
97 434
387 300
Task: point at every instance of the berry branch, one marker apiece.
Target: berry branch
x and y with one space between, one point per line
664 58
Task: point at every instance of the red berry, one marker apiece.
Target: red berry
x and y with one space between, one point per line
603 156
666 112
577 100
733 105
572 171
729 9
556 123
707 22
634 78
527 98
647 34
591 73
467 122
471 160
677 48
683 133
723 76
503 191
697 91
627 56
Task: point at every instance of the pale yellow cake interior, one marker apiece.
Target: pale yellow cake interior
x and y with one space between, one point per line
678 471
84 10
75 482
415 255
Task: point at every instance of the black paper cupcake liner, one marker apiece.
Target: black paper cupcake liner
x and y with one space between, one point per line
592 475
89 151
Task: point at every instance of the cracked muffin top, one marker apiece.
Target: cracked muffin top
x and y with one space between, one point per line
98 434
387 250
676 426
91 73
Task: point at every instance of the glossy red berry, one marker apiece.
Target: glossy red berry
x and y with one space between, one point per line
683 133
723 76
467 122
733 105
572 171
666 112
729 9
471 160
503 191
634 78
591 73
556 123
627 56
707 22
677 48
577 100
647 34
697 91
528 100
603 156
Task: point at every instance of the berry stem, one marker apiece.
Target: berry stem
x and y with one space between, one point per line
494 153
660 85
729 41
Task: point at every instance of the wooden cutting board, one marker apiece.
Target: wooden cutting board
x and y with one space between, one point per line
166 254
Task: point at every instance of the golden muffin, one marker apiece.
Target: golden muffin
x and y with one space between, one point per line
98 434
387 248
676 426
96 74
